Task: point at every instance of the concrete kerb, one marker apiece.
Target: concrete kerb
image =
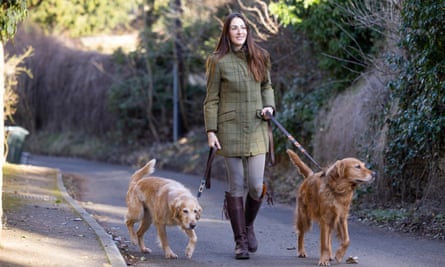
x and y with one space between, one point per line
111 250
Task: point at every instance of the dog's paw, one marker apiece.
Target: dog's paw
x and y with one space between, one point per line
324 262
170 255
189 251
145 250
302 254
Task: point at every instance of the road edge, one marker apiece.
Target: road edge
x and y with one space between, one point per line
109 246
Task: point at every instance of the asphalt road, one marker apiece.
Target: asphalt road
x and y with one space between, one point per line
103 194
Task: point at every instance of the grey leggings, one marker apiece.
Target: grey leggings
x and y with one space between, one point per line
254 173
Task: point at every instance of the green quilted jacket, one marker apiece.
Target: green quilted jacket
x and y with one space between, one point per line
233 104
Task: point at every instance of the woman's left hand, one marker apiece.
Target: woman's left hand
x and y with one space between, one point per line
265 111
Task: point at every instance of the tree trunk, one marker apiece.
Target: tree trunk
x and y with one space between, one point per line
178 47
149 19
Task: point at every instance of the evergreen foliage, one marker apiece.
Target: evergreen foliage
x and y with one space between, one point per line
11 13
416 139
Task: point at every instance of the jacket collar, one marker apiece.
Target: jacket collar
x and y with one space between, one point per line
241 53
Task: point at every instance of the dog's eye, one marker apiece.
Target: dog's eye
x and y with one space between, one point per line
358 166
185 211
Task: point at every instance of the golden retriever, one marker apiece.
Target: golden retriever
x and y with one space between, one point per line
163 202
326 197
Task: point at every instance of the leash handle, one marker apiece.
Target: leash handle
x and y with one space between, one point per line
291 138
205 181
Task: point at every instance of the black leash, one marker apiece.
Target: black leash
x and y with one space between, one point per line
205 181
271 153
291 138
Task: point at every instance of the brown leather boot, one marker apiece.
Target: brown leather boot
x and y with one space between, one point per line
252 207
235 210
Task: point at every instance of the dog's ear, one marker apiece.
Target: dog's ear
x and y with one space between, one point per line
336 170
335 173
175 209
198 212
179 212
172 210
340 168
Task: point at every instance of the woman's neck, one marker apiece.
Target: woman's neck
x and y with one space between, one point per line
236 48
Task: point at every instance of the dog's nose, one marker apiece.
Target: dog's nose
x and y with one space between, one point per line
192 225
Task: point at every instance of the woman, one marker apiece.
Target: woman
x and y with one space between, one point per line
239 95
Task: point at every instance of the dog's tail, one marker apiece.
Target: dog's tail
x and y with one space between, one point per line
148 169
302 167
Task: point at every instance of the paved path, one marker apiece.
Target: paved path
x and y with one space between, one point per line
41 229
105 186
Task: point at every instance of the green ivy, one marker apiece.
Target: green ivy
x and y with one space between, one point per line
416 136
11 13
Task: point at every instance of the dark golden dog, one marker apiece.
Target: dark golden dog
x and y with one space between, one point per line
163 202
326 197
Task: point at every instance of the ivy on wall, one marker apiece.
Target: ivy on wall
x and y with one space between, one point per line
416 137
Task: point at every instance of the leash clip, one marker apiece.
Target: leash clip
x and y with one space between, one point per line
201 187
205 182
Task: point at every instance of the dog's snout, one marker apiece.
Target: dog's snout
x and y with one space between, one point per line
373 176
192 226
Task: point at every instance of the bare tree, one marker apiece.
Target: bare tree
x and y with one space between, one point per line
179 72
267 26
149 19
382 17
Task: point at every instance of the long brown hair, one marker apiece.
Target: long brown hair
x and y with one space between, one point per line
257 57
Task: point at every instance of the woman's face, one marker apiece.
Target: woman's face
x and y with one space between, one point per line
238 33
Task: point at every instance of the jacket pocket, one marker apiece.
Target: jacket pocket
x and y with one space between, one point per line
227 116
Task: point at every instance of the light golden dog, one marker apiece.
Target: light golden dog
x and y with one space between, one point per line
326 197
163 202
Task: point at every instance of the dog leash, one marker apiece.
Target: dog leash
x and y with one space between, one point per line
205 181
271 153
291 138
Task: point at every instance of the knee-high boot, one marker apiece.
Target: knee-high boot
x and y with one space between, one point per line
235 210
252 207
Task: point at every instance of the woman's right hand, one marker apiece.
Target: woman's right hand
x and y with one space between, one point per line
213 140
